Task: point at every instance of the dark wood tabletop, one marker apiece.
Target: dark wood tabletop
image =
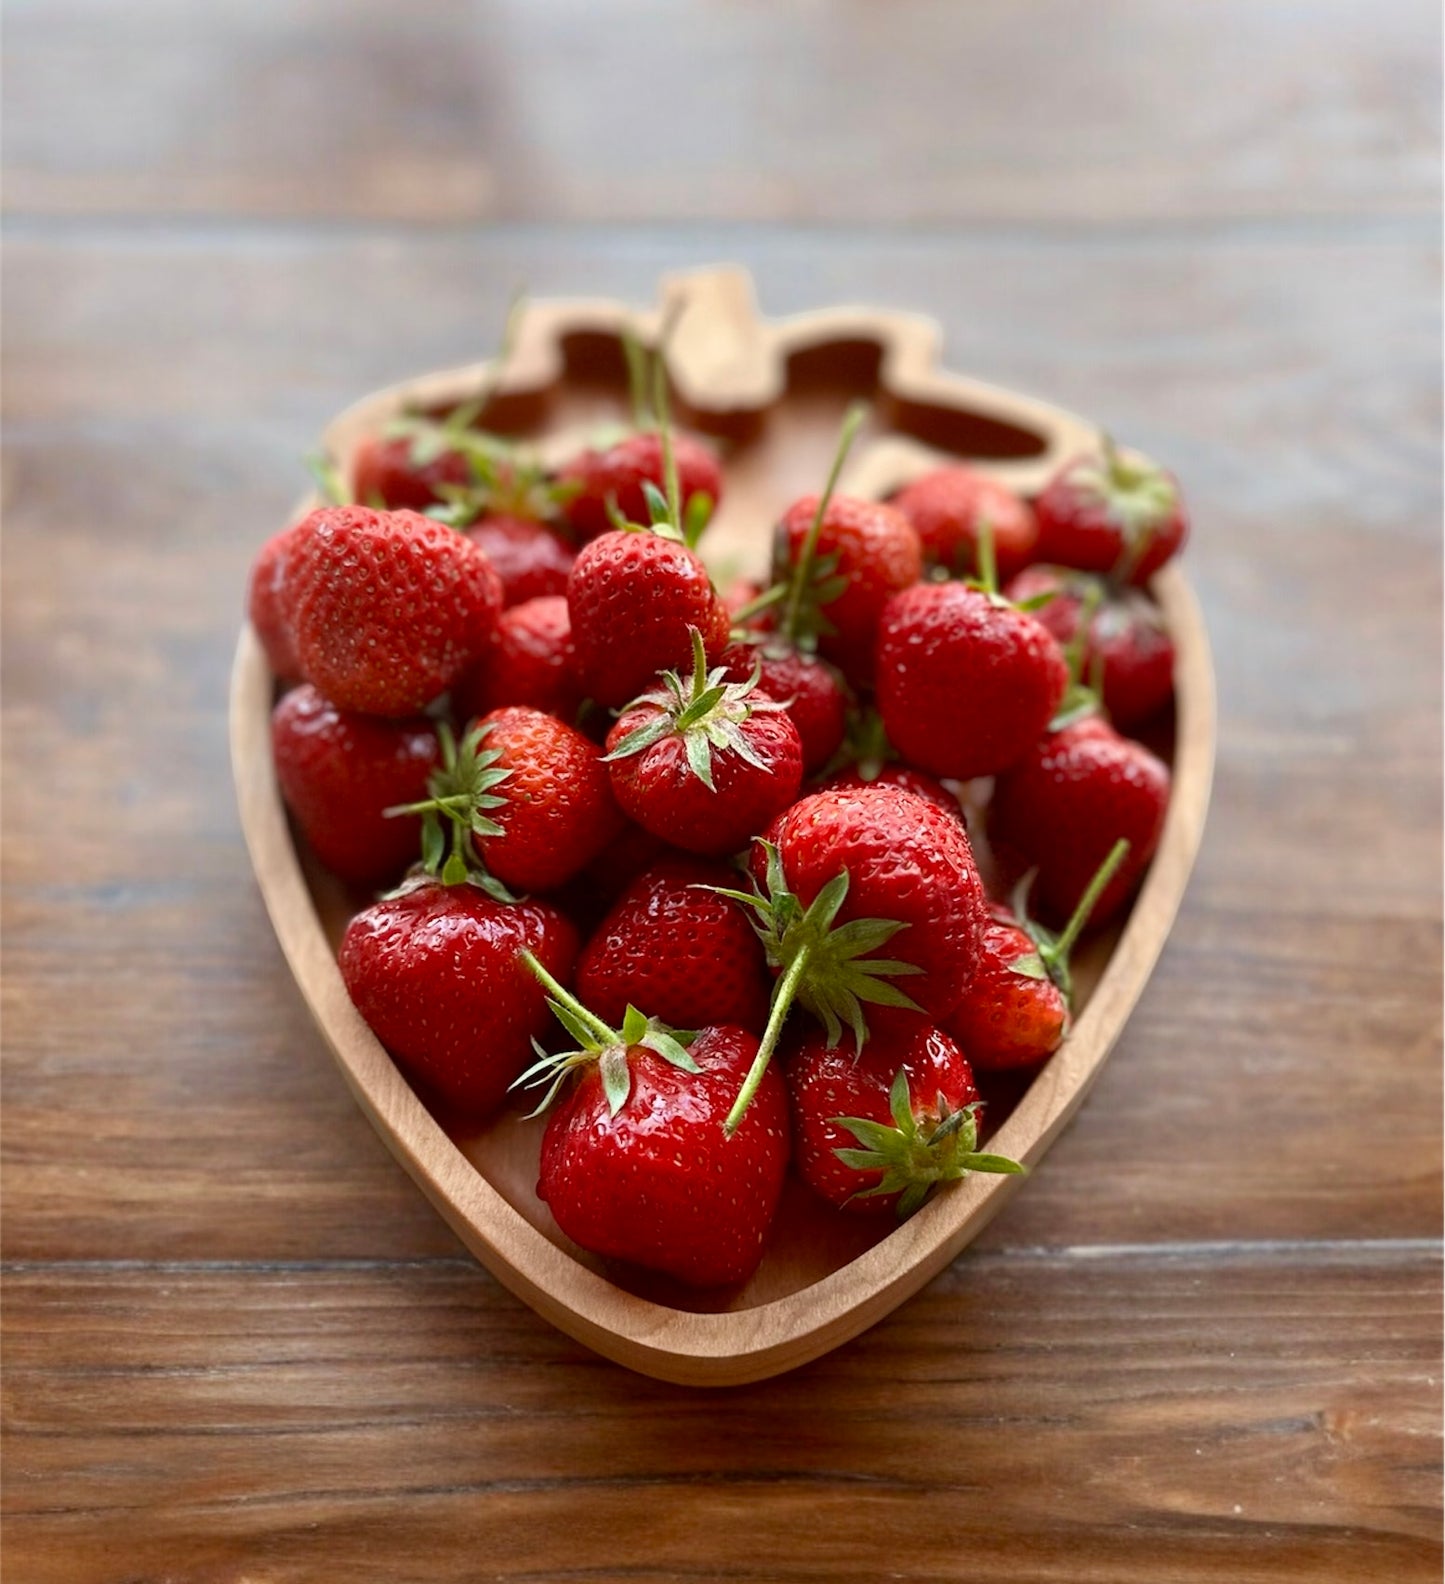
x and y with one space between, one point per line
1204 1342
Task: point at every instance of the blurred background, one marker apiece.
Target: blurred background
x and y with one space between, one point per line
1215 228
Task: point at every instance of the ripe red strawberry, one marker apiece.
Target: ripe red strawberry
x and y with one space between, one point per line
1118 513
874 1132
1064 805
863 553
386 473
704 763
1016 1012
529 661
844 874
268 604
340 772
527 798
812 692
620 471
633 599
388 608
672 944
1128 653
527 556
947 507
966 683
906 779
436 971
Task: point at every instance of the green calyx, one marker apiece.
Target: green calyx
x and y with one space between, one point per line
826 966
1137 494
707 712
914 1156
598 1043
462 789
1050 956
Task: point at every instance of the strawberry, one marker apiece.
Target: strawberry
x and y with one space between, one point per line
704 763
906 779
388 608
386 473
268 604
673 944
875 1131
617 474
1062 807
528 801
529 661
633 599
436 971
1118 513
635 1164
1016 1012
966 682
339 773
621 862
840 876
946 508
1128 652
528 557
812 692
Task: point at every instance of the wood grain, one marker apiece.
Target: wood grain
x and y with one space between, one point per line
1129 1416
443 111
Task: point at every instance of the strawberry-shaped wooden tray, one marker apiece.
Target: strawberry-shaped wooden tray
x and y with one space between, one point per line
774 393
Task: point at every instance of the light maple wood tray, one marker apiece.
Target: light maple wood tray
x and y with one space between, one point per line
774 393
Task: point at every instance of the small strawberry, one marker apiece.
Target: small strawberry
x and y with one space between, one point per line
966 682
388 608
672 943
529 661
268 604
527 799
812 692
386 473
527 556
704 763
1016 1012
339 773
1118 513
1062 807
844 874
635 1164
947 507
616 476
436 971
875 1131
1128 652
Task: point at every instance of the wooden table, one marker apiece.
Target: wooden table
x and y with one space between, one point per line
1204 1343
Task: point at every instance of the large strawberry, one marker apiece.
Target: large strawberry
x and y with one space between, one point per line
875 1131
844 875
388 608
1065 804
672 944
949 506
527 556
436 971
614 479
635 1163
966 682
1017 1009
702 762
812 692
268 604
1128 653
1118 513
529 661
527 800
340 772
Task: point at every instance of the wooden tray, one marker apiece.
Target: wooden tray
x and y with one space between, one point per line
774 392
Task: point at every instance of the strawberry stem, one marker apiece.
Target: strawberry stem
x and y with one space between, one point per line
803 568
607 1035
664 429
1064 944
760 602
987 557
783 997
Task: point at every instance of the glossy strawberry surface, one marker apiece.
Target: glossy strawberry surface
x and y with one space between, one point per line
529 661
1119 513
948 507
815 695
527 556
268 604
1009 1018
620 471
339 772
